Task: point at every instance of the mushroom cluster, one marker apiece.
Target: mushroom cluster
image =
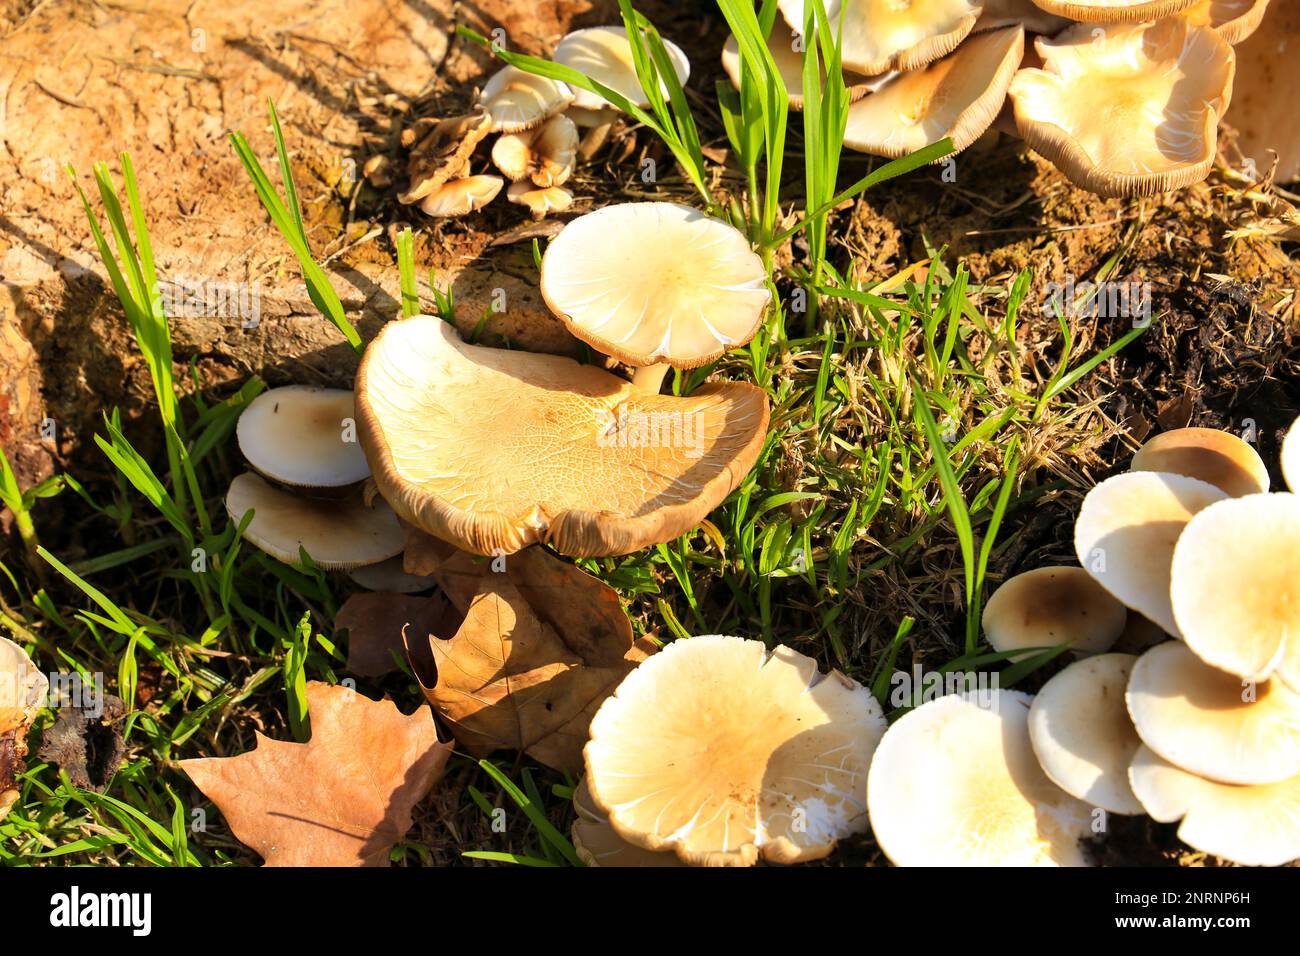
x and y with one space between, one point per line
23 690
1123 96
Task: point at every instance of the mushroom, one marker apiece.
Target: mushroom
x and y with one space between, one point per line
23 690
1126 531
604 54
883 35
544 155
655 284
1025 13
787 52
955 783
1114 11
724 752
1049 606
597 843
336 534
461 196
1211 723
539 201
303 436
1265 117
1253 826
1235 20
1236 586
1082 735
442 152
491 449
1127 109
1210 454
1291 457
389 575
517 100
957 97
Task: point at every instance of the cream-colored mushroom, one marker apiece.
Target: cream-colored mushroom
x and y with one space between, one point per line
1214 456
1025 13
1049 606
389 575
1291 457
786 47
461 196
605 55
1235 20
517 100
304 436
440 152
23 691
598 844
1114 11
540 202
544 156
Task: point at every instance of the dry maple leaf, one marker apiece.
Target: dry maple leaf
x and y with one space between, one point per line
375 621
341 799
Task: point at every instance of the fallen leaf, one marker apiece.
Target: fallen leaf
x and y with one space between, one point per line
341 799
375 620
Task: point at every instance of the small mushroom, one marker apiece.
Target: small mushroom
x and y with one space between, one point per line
1210 454
1127 109
655 284
1211 723
1291 457
442 152
598 844
517 100
1126 532
461 196
605 55
303 436
725 752
1235 586
955 783
786 47
389 575
337 534
23 691
1049 606
958 97
1082 734
1235 20
540 201
1114 11
544 155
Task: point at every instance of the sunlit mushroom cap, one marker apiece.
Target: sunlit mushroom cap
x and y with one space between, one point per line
655 282
1126 532
1212 455
544 155
1235 20
786 50
302 435
598 844
1049 606
540 202
604 55
338 534
23 688
442 152
1114 11
724 752
1291 457
1253 826
881 35
461 196
496 449
1082 734
1212 723
1025 13
390 576
1236 586
958 96
1127 109
518 100
954 783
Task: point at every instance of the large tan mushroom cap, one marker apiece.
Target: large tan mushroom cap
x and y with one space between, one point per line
1128 109
23 688
598 844
958 96
789 63
1082 734
1114 11
1253 826
1049 606
1268 63
655 282
882 35
604 55
723 752
1126 532
1291 457
954 783
1235 20
1214 456
517 100
1211 723
495 450
338 534
1236 586
304 436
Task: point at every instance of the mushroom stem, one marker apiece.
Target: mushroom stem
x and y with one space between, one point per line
594 139
650 378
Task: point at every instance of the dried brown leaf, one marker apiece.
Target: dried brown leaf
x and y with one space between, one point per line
375 621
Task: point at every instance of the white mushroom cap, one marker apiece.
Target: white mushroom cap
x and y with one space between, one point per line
724 752
1211 723
303 436
517 100
1126 532
655 282
954 783
1236 586
1114 11
540 202
597 843
1253 826
1235 20
544 155
461 196
1082 734
389 575
1049 606
958 97
338 534
23 688
1291 457
604 55
1210 454
783 43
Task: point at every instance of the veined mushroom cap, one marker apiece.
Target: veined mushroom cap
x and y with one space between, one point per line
1236 586
303 436
23 688
1253 826
1127 109
883 35
1025 13
724 753
1082 734
1235 20
461 196
543 155
958 96
605 55
1291 457
1049 606
517 100
1212 723
540 202
1114 11
1126 532
598 844
655 282
492 449
789 63
954 783
338 534
1212 455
